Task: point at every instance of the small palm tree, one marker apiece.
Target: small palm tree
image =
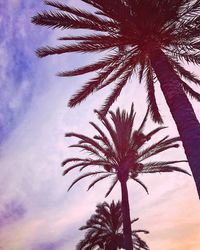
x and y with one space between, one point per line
104 230
121 155
149 37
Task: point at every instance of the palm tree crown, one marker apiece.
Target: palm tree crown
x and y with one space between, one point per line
150 37
132 32
104 230
123 154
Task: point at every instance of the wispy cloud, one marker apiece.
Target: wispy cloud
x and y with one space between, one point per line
18 67
11 212
37 213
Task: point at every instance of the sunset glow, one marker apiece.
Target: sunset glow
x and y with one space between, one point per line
36 211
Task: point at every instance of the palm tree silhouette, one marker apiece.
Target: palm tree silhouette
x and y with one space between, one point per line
121 155
149 37
104 230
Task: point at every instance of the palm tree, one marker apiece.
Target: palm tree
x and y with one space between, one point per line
149 37
121 155
104 230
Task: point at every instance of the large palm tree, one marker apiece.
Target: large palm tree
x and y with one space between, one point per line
104 230
150 37
121 153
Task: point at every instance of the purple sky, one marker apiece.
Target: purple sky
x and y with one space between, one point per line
36 211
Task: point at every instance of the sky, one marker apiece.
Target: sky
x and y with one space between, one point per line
36 211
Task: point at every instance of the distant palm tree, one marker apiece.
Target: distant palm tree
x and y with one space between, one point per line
104 230
149 37
122 155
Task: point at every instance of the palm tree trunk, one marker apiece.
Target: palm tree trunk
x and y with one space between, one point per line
181 109
128 243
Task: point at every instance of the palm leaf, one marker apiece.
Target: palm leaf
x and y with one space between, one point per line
160 169
72 159
81 47
121 68
142 184
140 129
108 127
115 93
92 67
84 176
151 100
89 149
185 73
88 140
66 171
158 147
97 180
98 163
112 186
154 131
81 13
91 86
67 21
190 91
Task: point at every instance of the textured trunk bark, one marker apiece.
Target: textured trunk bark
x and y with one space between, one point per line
182 112
128 244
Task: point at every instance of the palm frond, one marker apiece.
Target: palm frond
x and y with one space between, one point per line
97 163
84 176
89 149
83 70
151 99
112 186
188 90
154 131
163 169
190 9
121 68
185 73
142 125
91 86
141 231
158 147
98 179
141 70
139 243
66 171
67 21
71 160
108 127
134 220
80 47
81 13
142 184
106 61
189 57
103 136
115 93
162 163
88 140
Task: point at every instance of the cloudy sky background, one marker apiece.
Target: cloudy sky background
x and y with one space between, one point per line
36 211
